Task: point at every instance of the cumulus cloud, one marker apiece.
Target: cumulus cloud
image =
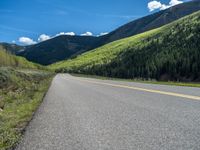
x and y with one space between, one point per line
87 34
70 33
103 33
175 2
154 5
163 7
66 33
26 41
43 37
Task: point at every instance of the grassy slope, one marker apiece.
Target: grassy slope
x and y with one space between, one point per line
21 92
22 87
147 55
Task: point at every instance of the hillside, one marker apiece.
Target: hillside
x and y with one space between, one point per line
64 47
8 59
167 53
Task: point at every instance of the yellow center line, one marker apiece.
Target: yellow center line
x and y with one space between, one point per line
140 89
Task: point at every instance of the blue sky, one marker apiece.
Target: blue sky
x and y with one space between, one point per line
29 19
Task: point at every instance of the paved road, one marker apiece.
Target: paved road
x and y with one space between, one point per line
90 114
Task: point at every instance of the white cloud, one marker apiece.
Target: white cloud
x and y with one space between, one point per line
66 33
175 2
70 33
103 33
61 33
87 34
163 7
43 37
26 41
154 5
13 41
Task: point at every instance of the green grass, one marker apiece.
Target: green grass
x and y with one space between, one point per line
140 80
21 92
167 53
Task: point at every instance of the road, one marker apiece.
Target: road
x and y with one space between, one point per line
91 114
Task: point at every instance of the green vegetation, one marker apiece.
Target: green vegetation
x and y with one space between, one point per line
21 92
22 87
167 53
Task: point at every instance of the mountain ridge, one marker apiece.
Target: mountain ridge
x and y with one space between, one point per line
173 12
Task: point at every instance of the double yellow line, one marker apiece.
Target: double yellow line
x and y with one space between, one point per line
141 89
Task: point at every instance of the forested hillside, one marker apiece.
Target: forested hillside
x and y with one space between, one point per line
167 53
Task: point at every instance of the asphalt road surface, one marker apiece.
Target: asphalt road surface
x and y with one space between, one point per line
91 114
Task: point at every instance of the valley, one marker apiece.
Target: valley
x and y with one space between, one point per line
136 87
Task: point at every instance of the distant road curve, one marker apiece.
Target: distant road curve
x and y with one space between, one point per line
91 114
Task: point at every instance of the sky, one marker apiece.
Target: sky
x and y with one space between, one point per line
28 22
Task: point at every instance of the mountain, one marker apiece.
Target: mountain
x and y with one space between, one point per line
170 52
64 47
59 48
12 48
